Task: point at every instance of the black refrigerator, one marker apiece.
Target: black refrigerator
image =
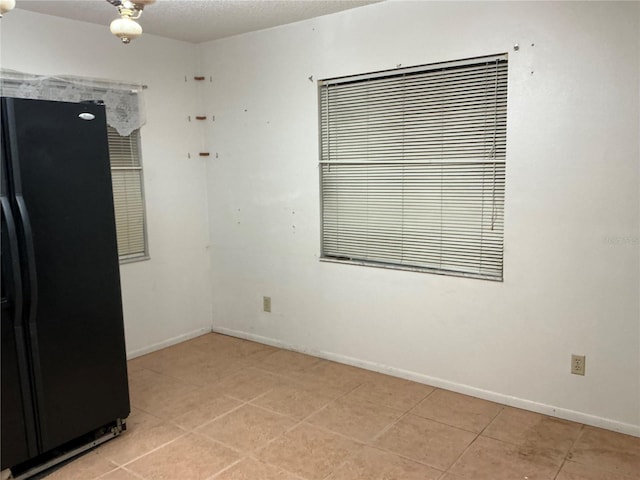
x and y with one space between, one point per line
63 361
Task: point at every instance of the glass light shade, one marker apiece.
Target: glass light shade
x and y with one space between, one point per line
125 29
6 5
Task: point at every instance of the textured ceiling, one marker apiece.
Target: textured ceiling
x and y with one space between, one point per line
198 20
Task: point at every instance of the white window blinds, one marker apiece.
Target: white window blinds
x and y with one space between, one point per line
126 177
412 167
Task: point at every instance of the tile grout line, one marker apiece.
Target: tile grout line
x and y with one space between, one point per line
242 453
125 464
265 445
573 444
564 460
398 454
277 467
478 435
228 467
194 430
351 454
298 420
102 475
255 449
457 459
305 423
440 422
245 403
241 358
377 436
133 473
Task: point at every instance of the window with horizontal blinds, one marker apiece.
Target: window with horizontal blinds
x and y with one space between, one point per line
412 167
126 177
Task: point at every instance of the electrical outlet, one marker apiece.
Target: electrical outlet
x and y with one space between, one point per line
266 304
577 364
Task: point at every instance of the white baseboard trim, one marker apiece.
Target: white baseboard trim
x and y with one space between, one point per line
550 410
167 343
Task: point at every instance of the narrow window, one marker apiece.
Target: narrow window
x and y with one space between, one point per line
412 168
128 198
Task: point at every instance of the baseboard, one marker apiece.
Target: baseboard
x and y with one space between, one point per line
167 343
550 410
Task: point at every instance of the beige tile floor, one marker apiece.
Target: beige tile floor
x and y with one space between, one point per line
221 408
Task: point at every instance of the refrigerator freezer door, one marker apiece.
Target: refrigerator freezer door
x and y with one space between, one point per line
19 438
60 170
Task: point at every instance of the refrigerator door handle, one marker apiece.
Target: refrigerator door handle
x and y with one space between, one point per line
32 327
31 292
14 256
14 170
30 258
18 305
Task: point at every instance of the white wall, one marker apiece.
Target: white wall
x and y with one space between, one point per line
572 206
169 296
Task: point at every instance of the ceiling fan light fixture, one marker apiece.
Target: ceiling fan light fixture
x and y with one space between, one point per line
6 5
126 28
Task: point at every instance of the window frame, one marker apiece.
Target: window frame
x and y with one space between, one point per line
144 255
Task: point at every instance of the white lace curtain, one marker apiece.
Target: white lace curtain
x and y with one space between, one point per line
123 102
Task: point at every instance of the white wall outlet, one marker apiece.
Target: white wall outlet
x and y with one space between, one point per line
266 304
577 364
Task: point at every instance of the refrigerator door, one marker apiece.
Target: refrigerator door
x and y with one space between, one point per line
62 185
18 440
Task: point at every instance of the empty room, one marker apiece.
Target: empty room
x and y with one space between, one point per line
320 239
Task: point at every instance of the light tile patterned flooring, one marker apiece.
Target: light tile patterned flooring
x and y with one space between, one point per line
221 408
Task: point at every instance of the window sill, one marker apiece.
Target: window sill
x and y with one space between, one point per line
141 258
390 266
